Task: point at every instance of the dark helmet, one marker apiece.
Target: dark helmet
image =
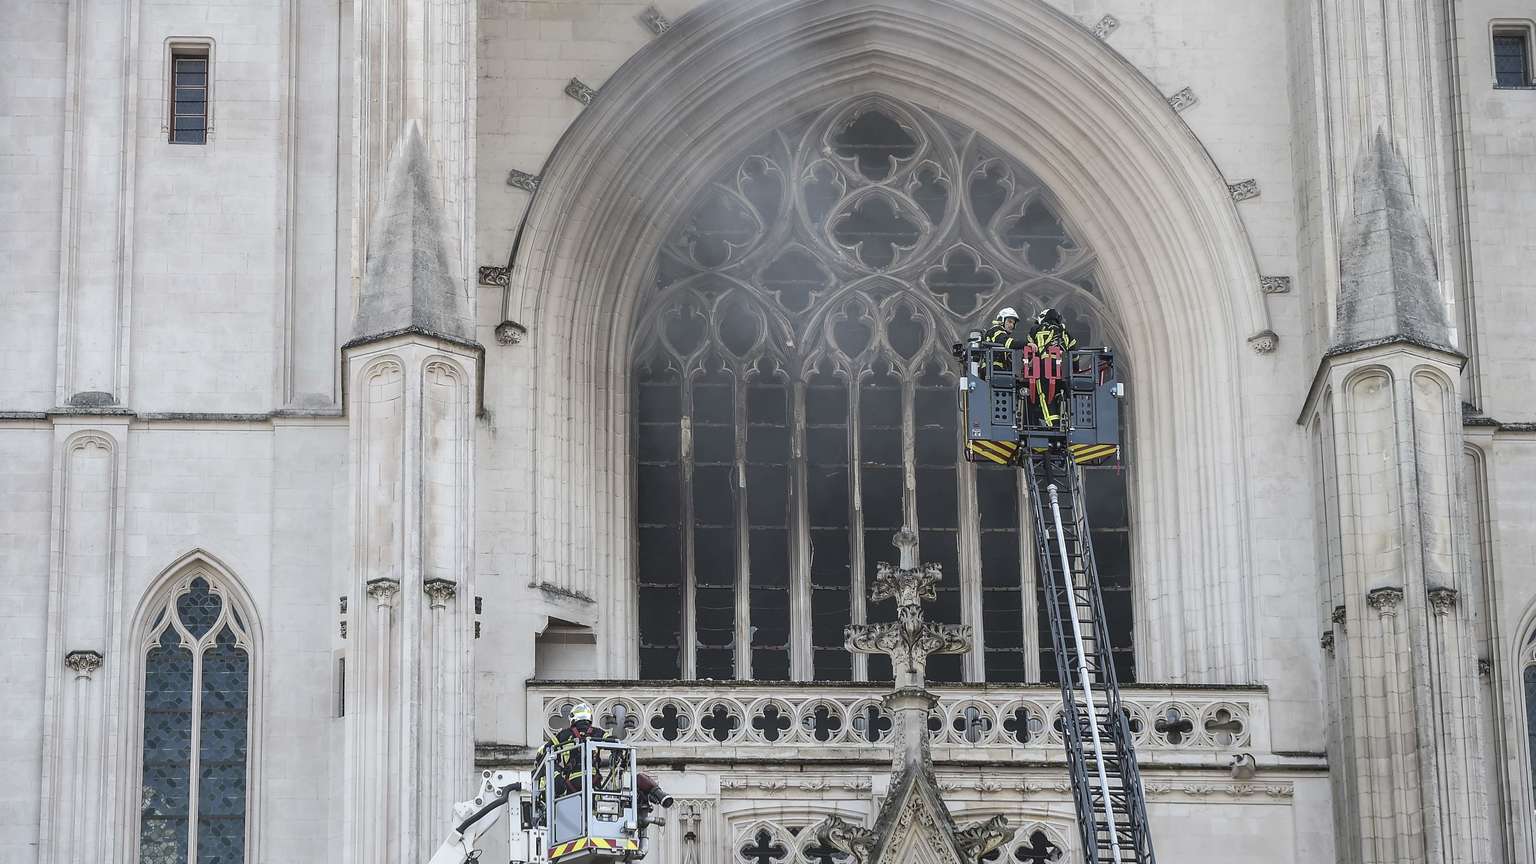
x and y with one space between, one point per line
1048 316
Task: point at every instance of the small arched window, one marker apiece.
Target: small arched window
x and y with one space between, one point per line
197 686
795 401
1528 677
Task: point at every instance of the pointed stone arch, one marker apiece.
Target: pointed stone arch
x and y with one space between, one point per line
1175 258
149 618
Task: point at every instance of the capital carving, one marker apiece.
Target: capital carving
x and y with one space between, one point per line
83 663
383 590
1263 342
1443 600
1338 615
1484 667
440 591
1385 600
1327 641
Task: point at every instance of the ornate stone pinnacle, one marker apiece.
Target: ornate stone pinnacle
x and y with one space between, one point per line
83 663
1442 600
910 639
440 591
384 589
1385 600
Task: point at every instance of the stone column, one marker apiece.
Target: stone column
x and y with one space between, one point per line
1402 673
84 626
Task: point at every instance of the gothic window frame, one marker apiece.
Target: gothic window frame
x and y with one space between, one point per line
698 272
238 611
1526 684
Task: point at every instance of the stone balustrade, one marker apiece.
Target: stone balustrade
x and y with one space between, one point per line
971 722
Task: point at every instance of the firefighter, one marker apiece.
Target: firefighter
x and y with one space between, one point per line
566 747
1001 331
1047 332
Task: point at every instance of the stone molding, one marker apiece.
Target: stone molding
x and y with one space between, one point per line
1160 185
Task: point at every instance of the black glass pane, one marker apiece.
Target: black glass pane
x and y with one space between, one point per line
165 803
221 762
714 555
1511 65
198 608
1530 718
877 142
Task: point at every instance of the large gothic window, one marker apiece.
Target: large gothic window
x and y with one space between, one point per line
197 678
796 401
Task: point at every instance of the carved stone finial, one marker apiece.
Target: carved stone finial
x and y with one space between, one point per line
1442 600
83 663
383 590
1385 600
440 591
1327 641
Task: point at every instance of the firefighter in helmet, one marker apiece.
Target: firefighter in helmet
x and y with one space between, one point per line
565 747
1048 401
1001 331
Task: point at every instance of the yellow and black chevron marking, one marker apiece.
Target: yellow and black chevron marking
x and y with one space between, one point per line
572 846
1001 452
1082 454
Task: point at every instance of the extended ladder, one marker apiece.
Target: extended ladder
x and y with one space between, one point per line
1106 784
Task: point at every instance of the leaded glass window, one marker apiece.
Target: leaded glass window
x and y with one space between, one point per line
795 400
1528 674
197 679
1512 57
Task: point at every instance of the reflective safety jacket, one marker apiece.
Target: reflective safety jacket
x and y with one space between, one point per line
566 747
1045 397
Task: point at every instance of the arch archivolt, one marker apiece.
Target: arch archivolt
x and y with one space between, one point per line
1170 252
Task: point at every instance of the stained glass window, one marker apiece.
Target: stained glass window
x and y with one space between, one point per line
196 720
795 400
1512 58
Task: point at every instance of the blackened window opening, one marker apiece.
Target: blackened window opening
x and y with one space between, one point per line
189 98
1512 58
796 407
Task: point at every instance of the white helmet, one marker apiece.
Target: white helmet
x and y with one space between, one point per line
581 711
1006 313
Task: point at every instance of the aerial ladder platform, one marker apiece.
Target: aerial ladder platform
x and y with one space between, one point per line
1001 393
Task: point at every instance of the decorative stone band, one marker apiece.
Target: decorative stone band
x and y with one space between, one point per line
1442 600
708 717
83 663
440 591
383 590
1107 25
1385 600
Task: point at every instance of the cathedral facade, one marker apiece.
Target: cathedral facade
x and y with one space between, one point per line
381 379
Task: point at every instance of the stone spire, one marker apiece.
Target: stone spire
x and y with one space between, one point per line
914 825
408 282
1390 287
